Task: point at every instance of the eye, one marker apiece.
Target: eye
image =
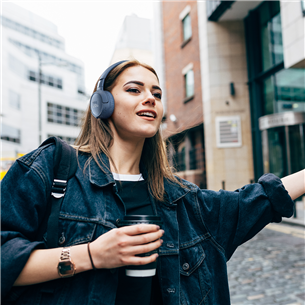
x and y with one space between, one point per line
133 90
157 95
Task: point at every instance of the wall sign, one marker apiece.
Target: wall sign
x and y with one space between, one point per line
281 119
228 131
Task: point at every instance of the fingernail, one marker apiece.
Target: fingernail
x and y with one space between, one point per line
158 227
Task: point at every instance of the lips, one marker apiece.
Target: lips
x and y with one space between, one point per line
147 113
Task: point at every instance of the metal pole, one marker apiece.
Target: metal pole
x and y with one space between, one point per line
265 146
302 145
287 140
39 100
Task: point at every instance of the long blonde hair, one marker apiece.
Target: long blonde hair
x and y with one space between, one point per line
96 136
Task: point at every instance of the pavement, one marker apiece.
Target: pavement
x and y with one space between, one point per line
270 268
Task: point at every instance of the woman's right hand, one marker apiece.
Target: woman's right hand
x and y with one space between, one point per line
119 247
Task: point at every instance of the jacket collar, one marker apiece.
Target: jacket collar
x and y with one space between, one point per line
174 192
98 176
104 177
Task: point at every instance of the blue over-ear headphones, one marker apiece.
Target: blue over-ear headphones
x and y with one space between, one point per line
102 101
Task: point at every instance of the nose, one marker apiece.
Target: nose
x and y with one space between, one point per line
149 99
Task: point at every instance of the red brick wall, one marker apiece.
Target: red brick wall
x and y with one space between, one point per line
176 58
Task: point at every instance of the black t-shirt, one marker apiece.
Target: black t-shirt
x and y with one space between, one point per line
136 290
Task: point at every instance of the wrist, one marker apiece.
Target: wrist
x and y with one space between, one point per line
90 256
80 257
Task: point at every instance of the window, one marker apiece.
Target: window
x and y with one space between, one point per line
189 83
14 99
64 115
284 91
45 79
187 27
30 32
10 133
179 158
59 83
51 81
47 57
185 18
32 76
272 42
303 6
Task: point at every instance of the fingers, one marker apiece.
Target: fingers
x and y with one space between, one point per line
140 229
136 260
120 247
146 238
139 234
141 249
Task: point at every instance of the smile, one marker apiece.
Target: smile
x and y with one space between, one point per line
150 114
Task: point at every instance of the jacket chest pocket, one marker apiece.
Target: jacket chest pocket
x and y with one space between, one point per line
72 232
195 279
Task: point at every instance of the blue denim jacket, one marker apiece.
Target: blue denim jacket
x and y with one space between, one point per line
202 230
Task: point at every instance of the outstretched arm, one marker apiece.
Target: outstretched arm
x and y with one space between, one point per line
295 184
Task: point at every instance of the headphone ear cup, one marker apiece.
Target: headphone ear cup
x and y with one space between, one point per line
102 104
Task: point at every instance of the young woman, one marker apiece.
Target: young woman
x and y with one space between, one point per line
122 170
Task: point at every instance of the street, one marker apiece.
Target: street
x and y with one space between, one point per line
270 268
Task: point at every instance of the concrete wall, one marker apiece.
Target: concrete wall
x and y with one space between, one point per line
223 60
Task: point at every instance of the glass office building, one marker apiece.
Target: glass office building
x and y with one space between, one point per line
274 37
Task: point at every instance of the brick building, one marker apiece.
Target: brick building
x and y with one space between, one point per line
183 121
234 79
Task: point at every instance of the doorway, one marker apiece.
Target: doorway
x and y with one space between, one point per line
283 143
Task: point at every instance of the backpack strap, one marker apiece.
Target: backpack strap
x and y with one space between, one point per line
65 166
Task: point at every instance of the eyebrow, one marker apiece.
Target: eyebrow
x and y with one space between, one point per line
142 84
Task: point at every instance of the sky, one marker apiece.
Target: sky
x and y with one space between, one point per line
90 28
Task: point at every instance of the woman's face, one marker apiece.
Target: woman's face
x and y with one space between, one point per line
138 108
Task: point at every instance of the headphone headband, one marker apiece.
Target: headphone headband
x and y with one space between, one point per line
106 72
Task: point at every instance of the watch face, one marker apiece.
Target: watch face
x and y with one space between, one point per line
66 268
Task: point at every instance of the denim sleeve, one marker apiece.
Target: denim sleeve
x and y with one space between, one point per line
24 194
235 217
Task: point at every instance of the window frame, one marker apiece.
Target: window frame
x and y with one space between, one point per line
182 16
187 26
64 115
185 71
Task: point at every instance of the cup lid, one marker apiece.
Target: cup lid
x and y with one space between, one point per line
142 217
138 219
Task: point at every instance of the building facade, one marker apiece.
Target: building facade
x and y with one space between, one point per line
251 78
134 41
183 121
43 87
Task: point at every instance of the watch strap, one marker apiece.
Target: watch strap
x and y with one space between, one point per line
66 267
